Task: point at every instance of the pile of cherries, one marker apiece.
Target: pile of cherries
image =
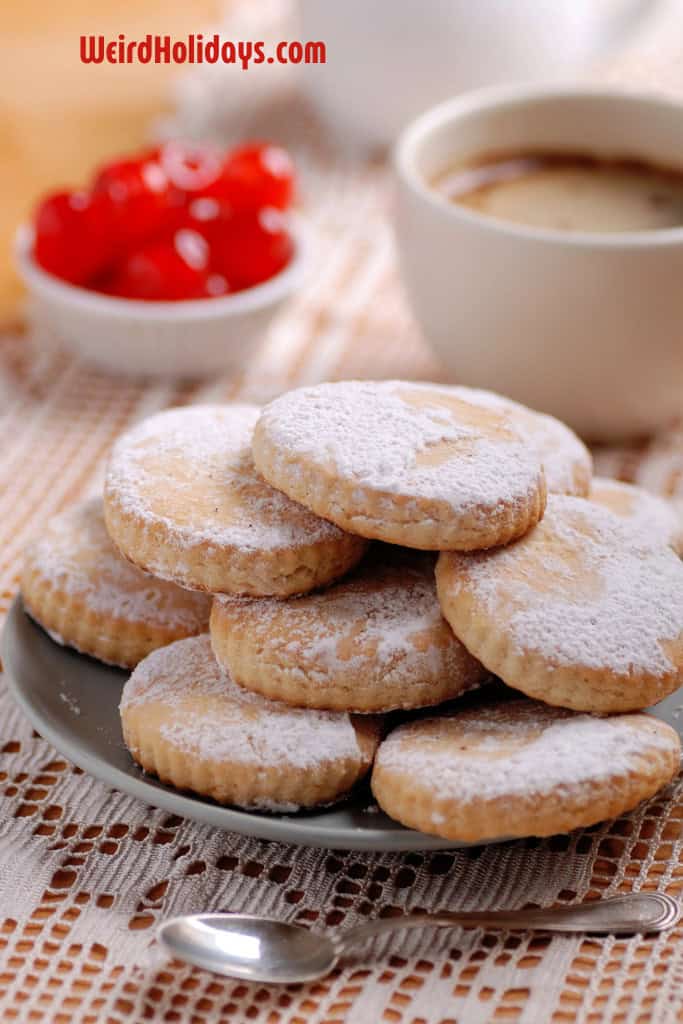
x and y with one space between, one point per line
183 221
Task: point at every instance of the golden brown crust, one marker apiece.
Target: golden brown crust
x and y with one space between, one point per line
77 586
184 501
233 570
188 723
578 613
374 642
381 515
227 782
415 513
465 779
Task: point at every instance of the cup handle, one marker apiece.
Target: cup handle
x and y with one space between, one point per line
629 16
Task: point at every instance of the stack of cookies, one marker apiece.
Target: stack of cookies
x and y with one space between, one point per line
375 549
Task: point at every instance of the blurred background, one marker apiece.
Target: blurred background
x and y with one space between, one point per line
59 117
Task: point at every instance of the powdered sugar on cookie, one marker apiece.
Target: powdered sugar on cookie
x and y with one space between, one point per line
217 720
374 642
567 462
75 557
652 517
405 440
191 470
521 749
582 590
384 618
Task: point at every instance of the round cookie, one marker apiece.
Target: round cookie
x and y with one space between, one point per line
187 722
78 587
567 462
581 613
184 501
520 768
373 642
654 517
412 464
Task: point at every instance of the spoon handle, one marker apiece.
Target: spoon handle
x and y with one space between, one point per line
618 915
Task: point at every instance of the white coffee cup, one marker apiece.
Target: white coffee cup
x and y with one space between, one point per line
388 60
583 325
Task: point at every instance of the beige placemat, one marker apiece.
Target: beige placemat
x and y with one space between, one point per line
86 873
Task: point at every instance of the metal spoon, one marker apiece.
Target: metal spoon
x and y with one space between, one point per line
260 949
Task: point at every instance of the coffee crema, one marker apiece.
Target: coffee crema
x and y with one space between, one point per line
568 191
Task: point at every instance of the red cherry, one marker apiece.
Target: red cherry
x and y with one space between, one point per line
143 199
165 270
209 217
108 173
72 235
248 248
256 175
191 167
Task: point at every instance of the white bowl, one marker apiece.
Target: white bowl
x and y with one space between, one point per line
167 339
584 325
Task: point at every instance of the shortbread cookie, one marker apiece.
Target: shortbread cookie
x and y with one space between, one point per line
582 612
567 462
408 463
186 721
654 517
78 587
374 642
520 768
183 501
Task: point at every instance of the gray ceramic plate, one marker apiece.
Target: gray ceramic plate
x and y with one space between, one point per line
72 701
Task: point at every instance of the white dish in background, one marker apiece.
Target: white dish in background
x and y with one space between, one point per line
163 339
583 325
388 60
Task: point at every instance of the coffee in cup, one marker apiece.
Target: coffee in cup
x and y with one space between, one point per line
568 191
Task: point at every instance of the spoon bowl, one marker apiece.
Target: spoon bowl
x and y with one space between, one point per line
254 948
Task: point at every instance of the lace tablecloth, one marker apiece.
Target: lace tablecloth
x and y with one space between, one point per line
86 873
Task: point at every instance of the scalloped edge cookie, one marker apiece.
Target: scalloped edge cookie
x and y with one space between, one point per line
81 590
183 501
410 464
520 768
581 612
188 723
372 643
